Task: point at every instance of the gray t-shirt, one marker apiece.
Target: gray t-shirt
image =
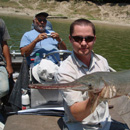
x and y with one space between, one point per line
4 36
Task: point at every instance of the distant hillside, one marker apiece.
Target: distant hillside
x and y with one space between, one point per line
105 12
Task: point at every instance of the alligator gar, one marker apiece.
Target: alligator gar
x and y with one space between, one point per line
110 84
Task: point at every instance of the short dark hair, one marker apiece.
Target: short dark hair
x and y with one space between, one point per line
42 14
82 22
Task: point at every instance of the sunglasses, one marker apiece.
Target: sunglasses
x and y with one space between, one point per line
41 20
80 38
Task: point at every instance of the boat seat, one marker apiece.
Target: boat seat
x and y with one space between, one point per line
33 122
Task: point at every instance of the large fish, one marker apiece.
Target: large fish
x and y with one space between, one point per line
110 84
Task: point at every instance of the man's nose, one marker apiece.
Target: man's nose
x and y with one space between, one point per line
84 42
42 22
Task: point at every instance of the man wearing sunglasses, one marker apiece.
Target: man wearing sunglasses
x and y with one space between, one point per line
40 40
77 105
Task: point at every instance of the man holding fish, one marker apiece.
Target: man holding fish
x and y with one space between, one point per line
80 112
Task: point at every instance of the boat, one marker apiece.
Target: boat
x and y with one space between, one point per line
46 112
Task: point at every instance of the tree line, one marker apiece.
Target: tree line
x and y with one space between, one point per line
101 1
111 1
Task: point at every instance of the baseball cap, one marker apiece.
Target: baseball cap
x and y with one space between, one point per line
42 14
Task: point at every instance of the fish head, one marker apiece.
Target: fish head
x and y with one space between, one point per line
90 83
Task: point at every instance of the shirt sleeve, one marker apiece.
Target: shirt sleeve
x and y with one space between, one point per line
104 66
6 35
65 73
71 96
24 41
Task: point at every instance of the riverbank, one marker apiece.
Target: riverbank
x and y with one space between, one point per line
117 14
24 15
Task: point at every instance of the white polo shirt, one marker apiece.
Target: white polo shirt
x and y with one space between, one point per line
72 68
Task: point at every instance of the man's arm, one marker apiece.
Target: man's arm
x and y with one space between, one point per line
7 56
61 45
27 50
83 109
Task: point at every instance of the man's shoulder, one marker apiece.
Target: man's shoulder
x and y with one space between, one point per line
68 60
30 32
1 20
2 23
68 65
99 57
66 72
102 62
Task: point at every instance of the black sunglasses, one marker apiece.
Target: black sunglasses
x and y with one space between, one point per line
80 38
41 20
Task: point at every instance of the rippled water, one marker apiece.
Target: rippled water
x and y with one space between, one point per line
113 42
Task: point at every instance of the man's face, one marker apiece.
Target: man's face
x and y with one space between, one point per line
82 39
40 24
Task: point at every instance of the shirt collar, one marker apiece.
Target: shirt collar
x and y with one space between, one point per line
94 60
77 61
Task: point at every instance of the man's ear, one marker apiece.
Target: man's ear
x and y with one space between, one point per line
70 38
95 39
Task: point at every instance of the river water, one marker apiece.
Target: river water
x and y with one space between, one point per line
113 41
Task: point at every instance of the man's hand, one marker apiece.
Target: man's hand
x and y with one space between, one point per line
41 36
56 36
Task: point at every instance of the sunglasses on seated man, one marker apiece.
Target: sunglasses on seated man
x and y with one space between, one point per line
42 20
79 39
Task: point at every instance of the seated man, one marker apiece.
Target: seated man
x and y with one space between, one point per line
77 104
5 60
40 40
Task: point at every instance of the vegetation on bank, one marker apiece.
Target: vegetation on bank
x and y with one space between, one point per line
111 1
104 1
90 9
25 3
98 1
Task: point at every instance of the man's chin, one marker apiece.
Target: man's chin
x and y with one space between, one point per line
40 29
84 53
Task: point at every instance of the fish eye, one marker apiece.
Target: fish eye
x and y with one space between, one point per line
90 85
